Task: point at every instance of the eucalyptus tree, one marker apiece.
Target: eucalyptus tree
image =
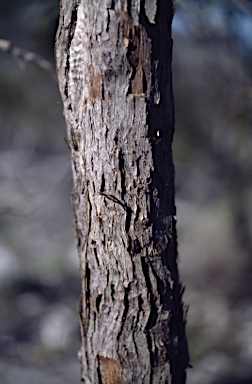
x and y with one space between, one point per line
113 60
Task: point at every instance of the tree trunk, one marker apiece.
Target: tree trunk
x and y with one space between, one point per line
114 67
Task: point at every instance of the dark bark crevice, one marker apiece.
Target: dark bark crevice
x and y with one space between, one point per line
125 311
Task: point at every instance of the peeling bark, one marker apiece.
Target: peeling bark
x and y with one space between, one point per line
113 60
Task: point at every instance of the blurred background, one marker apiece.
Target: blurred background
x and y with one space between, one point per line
39 277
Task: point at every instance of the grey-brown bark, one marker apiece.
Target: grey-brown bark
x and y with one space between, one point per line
114 67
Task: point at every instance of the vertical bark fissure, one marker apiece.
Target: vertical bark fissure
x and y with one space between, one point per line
114 67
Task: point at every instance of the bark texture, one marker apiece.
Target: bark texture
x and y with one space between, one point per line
114 67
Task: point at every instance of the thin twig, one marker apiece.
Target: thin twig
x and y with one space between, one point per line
28 57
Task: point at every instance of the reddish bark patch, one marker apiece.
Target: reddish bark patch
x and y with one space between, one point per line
95 85
110 370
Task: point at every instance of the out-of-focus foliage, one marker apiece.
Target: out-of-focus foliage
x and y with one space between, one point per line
212 150
39 278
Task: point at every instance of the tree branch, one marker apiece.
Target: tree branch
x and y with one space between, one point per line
28 57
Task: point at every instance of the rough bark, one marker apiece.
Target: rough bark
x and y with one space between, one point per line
114 67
